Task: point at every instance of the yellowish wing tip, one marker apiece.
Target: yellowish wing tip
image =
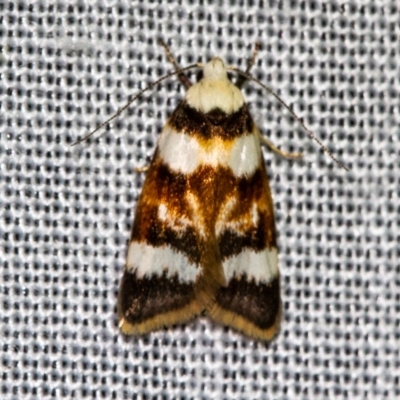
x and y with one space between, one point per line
160 321
243 325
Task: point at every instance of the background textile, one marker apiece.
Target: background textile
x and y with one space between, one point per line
66 212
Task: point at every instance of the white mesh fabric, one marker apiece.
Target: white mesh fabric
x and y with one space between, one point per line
66 212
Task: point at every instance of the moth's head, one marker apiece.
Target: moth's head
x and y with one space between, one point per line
215 70
214 90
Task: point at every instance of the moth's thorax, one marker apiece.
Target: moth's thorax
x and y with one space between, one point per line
215 90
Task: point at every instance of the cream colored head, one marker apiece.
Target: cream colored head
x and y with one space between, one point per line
215 69
215 90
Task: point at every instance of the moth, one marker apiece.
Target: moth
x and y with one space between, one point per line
203 240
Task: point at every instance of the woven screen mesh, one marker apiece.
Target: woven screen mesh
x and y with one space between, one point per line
66 212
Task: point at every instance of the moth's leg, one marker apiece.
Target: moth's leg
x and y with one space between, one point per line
250 62
277 150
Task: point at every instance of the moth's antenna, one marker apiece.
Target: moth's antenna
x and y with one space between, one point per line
131 100
183 78
312 136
